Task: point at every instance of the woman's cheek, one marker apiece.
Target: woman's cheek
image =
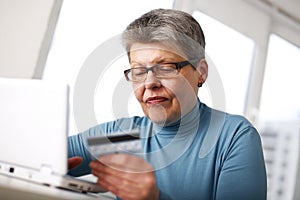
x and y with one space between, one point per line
138 92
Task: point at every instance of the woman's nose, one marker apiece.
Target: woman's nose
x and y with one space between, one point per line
152 81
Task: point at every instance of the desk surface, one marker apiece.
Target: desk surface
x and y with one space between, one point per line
12 188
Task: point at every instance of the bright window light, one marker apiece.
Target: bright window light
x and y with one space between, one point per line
231 54
83 25
280 95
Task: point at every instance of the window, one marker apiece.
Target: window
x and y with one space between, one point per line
280 95
83 25
231 56
279 117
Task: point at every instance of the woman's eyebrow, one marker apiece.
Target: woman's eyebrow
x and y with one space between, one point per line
161 60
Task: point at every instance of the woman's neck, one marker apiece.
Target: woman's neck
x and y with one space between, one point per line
183 125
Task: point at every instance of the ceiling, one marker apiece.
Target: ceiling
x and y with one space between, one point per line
289 8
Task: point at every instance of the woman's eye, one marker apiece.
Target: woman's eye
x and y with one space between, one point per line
138 72
166 68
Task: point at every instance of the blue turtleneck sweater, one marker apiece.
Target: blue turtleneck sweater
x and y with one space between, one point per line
207 154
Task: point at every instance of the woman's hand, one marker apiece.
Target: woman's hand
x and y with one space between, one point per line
127 176
74 162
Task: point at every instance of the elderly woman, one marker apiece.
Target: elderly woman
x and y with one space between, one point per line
191 151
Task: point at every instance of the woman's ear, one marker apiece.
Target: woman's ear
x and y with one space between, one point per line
202 68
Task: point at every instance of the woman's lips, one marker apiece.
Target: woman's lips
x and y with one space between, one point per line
156 100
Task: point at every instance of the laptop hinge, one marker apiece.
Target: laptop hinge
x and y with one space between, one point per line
46 169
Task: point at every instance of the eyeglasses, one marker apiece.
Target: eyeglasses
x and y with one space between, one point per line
161 70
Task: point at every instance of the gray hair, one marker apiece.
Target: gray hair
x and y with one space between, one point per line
170 27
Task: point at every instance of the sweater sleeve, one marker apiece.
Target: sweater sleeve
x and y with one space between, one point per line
77 144
77 147
243 174
163 196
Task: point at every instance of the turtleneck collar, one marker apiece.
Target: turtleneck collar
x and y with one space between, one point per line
183 126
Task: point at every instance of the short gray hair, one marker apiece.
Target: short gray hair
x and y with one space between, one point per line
167 26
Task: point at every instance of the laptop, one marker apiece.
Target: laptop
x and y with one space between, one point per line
34 132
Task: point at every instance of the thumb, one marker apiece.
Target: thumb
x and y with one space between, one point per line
74 162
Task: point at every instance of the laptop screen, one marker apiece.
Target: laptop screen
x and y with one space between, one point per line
33 123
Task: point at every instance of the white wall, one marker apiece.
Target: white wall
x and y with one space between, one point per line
26 29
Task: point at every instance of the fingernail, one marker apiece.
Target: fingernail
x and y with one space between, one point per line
92 164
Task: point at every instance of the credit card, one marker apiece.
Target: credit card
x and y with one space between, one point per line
129 143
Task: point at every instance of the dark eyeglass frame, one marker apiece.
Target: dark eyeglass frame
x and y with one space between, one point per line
178 65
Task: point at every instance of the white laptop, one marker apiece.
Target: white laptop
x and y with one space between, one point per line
33 133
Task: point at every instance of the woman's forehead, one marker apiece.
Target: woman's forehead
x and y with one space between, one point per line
155 49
